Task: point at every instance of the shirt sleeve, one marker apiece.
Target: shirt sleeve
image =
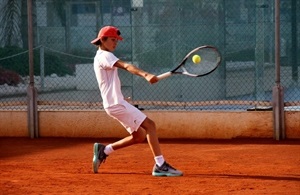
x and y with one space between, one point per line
108 60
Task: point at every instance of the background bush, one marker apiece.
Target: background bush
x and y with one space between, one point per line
9 77
19 62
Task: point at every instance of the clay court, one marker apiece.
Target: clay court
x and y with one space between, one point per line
232 166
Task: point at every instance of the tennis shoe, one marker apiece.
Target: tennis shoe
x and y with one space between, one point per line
99 156
165 170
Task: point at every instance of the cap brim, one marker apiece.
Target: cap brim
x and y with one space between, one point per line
120 38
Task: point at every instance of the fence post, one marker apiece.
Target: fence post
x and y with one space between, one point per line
294 44
259 50
42 66
277 95
31 90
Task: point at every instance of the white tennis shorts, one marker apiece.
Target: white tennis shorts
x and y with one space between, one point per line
128 115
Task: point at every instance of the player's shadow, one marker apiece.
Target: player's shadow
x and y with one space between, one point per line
125 173
261 177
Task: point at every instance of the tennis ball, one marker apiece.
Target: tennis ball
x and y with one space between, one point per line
196 59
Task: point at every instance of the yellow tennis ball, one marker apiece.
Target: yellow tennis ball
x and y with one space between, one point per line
196 59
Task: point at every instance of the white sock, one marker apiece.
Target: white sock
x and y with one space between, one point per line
159 160
108 149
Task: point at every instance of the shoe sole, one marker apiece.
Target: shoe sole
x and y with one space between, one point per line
167 174
95 158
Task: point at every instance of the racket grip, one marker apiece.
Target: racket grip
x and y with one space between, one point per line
164 75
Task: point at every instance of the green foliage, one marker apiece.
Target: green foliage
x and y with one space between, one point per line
53 64
10 19
18 61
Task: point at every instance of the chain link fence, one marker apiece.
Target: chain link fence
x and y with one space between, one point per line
157 35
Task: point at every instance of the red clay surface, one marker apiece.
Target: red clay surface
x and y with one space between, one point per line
63 166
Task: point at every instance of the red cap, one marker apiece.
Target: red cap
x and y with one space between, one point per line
108 31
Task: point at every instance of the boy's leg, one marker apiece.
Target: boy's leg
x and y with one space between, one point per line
162 169
151 135
136 137
147 129
100 150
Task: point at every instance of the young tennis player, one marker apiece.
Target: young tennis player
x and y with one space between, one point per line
138 125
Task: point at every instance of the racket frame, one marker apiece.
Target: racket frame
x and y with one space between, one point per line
185 72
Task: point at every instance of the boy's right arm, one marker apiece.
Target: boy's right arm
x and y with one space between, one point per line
137 71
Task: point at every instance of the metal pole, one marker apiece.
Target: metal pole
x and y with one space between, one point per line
31 91
259 50
277 42
68 26
278 104
294 43
30 41
42 66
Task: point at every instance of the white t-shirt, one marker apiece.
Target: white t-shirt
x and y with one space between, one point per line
108 79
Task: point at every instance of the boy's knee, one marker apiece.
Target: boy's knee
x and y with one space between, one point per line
149 124
139 139
139 136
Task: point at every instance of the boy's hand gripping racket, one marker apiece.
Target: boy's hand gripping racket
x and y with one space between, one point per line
199 62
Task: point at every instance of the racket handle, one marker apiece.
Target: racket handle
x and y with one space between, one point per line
164 75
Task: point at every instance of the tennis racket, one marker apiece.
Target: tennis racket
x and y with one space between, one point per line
210 60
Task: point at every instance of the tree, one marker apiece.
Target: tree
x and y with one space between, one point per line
13 19
10 19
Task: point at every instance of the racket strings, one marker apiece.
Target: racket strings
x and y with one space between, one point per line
209 61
